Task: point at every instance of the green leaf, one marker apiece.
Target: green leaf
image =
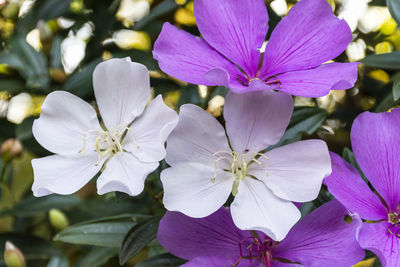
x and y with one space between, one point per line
163 260
55 53
396 89
80 83
386 103
12 86
32 205
97 256
305 120
137 238
31 64
31 246
58 261
105 234
23 133
163 8
43 10
385 61
348 156
394 8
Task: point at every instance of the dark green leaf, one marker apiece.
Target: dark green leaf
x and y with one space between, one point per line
7 129
23 133
348 156
80 83
55 53
137 238
58 261
396 88
305 120
394 8
163 8
163 260
12 86
43 10
386 103
385 61
31 246
33 205
97 256
103 234
31 64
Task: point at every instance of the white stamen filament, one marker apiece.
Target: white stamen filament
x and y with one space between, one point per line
107 143
238 165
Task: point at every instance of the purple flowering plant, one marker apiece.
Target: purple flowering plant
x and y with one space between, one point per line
376 143
219 155
233 51
323 236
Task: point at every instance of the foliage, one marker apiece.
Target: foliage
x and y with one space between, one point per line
114 228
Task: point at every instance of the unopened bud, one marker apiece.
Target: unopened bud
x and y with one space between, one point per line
12 148
13 257
58 219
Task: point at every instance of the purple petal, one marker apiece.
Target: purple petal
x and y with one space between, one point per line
320 80
212 261
256 120
323 238
235 28
376 238
376 145
190 58
346 184
309 36
188 238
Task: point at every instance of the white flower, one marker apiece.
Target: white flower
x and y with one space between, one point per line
209 163
126 149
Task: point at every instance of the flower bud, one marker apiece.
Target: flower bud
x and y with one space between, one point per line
127 39
12 148
58 219
13 257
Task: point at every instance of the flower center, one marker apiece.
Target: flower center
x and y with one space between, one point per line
239 164
394 220
246 79
106 143
253 248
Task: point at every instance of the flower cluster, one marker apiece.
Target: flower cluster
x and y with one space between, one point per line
231 192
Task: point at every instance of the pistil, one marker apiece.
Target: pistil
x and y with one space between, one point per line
238 165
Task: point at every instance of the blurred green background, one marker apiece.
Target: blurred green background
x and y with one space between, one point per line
49 45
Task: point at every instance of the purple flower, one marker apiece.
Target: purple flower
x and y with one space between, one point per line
208 163
232 51
376 144
322 238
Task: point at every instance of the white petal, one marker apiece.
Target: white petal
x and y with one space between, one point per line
63 123
296 171
256 208
122 89
188 188
62 174
124 173
148 133
196 138
256 120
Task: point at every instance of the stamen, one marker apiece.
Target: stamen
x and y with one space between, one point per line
261 60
